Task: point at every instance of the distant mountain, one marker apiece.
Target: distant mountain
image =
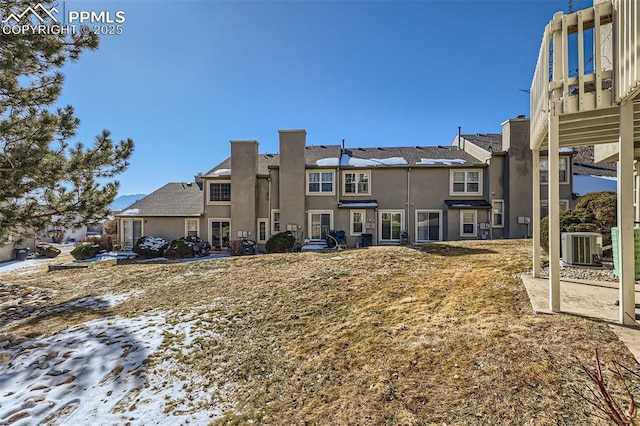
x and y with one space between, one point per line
124 201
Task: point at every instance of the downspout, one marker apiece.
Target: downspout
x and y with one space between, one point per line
407 221
338 183
269 205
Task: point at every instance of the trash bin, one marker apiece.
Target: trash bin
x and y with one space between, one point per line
404 237
21 253
249 247
367 240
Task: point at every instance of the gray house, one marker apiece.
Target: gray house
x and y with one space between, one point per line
479 187
509 156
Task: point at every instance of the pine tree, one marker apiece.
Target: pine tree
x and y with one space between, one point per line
45 179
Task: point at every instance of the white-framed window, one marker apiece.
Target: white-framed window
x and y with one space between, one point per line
357 220
497 213
191 227
275 221
544 207
391 223
132 230
466 182
219 192
356 182
263 231
320 223
219 232
320 182
468 223
544 170
428 225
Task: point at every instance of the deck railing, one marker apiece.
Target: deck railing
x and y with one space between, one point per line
627 17
575 62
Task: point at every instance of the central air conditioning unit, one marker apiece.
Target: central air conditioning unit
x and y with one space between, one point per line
582 248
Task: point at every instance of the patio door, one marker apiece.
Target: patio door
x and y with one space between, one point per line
220 232
391 225
131 231
320 222
428 225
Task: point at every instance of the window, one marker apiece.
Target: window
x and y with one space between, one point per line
466 182
497 209
275 221
468 219
544 207
262 230
544 170
191 227
356 183
132 230
320 182
220 229
391 223
357 222
219 192
320 223
428 225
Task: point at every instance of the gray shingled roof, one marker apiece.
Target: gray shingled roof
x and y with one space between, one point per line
583 164
415 154
486 141
264 161
173 199
412 155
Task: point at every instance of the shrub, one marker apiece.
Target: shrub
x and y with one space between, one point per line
46 250
594 212
104 241
182 247
110 226
85 251
150 247
282 242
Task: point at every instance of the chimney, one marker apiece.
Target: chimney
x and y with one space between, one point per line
244 170
292 180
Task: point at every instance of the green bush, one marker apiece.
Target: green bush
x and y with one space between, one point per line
85 251
182 247
281 243
46 250
150 247
594 212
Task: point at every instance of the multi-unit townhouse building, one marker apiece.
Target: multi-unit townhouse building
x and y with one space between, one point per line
478 187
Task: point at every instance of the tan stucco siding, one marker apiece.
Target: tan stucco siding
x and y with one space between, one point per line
169 228
7 251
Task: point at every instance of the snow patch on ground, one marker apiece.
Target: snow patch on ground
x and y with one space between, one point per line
98 373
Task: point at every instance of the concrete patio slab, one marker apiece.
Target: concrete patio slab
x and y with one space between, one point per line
590 299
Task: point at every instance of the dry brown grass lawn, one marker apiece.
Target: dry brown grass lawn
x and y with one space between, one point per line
431 335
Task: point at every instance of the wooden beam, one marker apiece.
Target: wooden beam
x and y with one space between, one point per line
553 156
626 253
535 217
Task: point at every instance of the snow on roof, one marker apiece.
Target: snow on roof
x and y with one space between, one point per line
445 161
130 212
347 160
222 172
328 161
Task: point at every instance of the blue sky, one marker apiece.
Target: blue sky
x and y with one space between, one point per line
186 77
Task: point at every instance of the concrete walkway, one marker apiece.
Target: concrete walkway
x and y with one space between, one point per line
591 299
